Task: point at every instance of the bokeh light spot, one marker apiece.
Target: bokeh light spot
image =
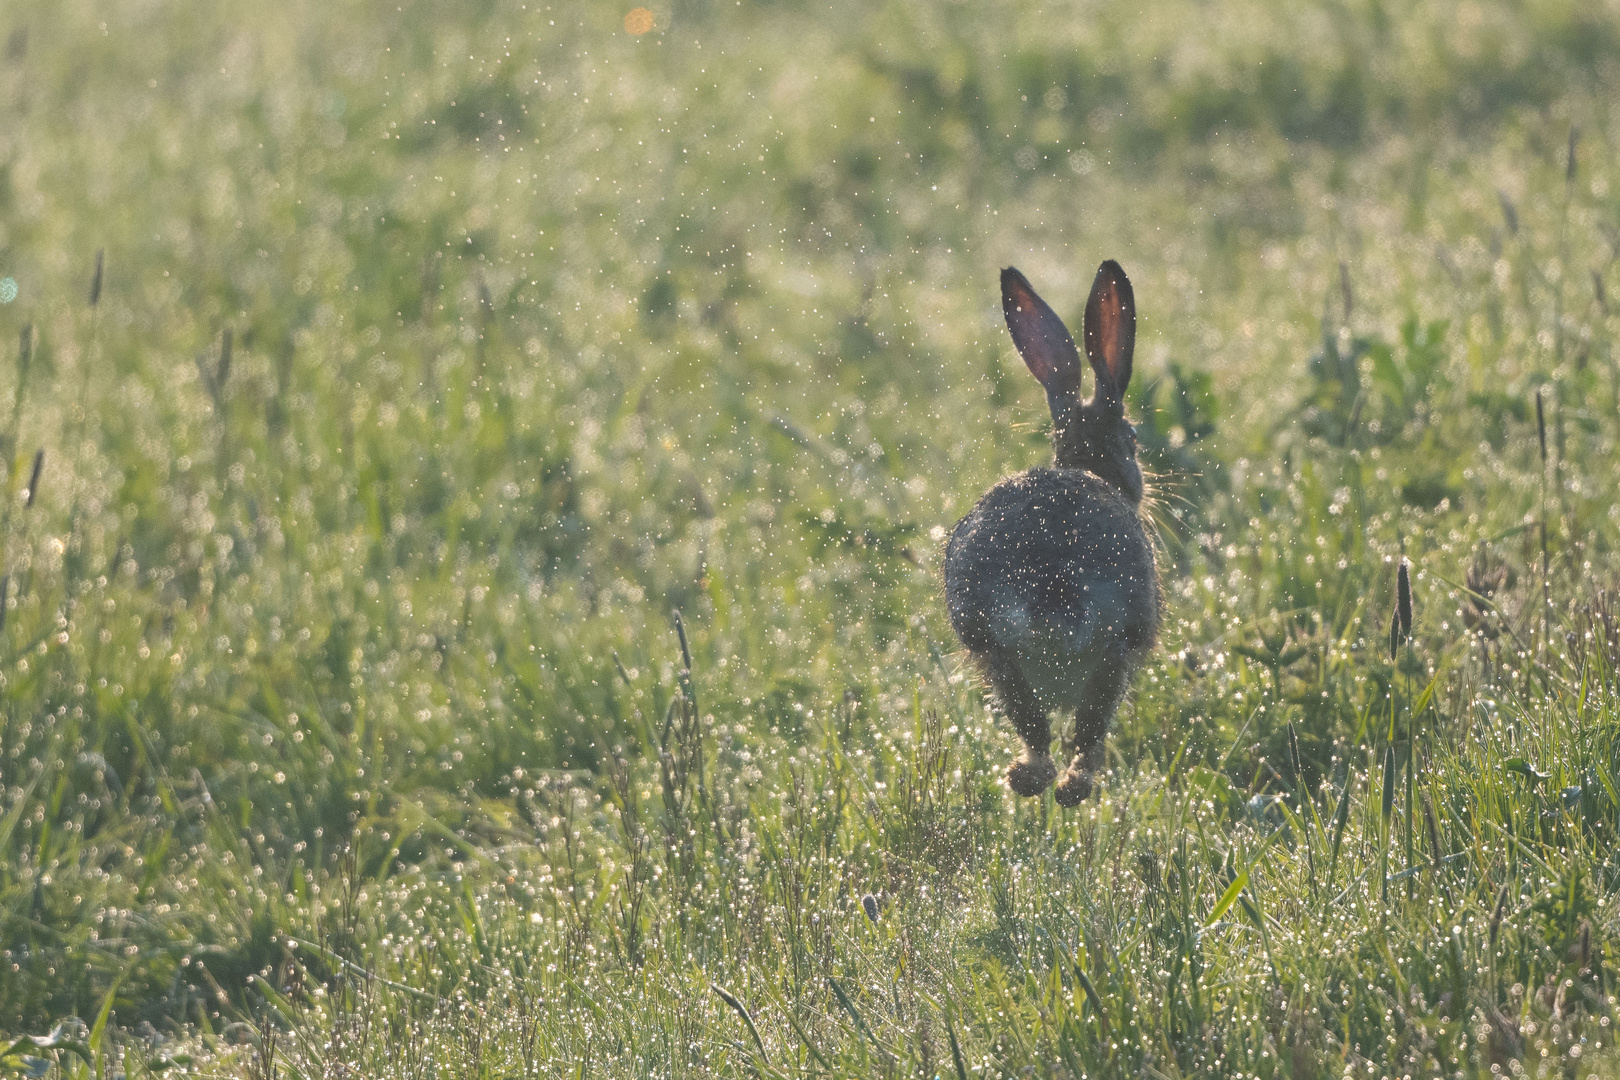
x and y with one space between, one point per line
8 290
638 21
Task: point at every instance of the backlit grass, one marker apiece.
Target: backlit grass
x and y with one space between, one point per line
436 355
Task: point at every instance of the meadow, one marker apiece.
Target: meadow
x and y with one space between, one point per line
474 482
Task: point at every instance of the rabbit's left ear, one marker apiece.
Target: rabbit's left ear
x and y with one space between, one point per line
1111 330
1042 339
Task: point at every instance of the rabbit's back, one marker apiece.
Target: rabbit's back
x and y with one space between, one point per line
1054 565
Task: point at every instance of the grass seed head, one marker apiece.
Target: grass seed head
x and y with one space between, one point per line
1541 428
1403 598
33 477
224 370
95 279
680 631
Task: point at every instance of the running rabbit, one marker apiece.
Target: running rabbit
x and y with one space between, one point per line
1051 581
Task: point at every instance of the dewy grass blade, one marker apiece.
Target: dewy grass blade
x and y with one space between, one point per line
98 1030
737 1006
96 277
849 1007
1341 816
956 1050
688 688
1092 996
1293 758
1387 806
804 1036
1427 695
1303 798
33 477
1227 898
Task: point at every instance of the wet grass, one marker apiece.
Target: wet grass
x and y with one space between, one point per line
386 378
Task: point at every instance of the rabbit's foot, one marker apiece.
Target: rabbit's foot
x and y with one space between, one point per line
1030 774
1075 787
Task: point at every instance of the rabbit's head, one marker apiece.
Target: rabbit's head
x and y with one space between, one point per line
1092 435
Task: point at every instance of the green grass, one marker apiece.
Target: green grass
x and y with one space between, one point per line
441 352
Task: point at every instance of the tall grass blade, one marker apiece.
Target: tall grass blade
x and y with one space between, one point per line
1403 598
226 346
1387 806
95 279
1546 584
1541 428
98 1030
1294 760
33 477
956 1050
1227 898
1092 996
1496 916
687 686
804 1036
742 1011
1341 816
1432 825
854 1015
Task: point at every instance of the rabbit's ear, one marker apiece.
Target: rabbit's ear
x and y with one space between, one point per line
1111 330
1042 339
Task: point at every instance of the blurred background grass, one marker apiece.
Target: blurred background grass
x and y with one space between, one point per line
439 352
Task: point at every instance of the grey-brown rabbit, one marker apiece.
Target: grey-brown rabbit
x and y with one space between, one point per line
1051 581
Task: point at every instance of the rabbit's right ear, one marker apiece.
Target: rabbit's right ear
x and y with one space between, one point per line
1042 339
1110 330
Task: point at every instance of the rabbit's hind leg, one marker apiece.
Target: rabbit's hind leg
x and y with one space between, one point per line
1103 692
1032 772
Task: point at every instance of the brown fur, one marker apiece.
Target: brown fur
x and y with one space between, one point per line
1051 581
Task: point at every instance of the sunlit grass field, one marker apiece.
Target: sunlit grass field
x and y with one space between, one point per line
475 480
